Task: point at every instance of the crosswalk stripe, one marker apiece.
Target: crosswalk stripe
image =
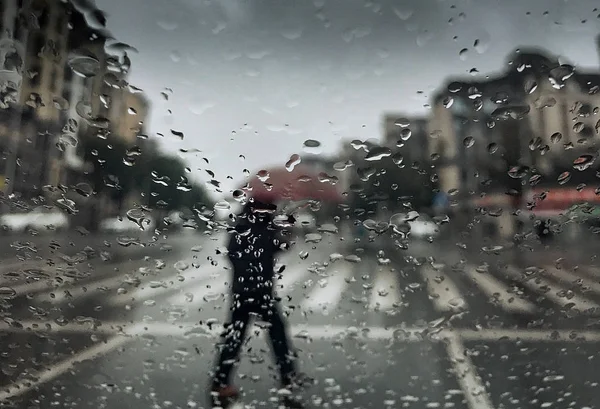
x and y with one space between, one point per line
289 277
442 290
553 291
156 287
80 289
208 285
497 290
328 291
568 277
385 294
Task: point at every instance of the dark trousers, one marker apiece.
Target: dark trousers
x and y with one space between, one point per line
242 310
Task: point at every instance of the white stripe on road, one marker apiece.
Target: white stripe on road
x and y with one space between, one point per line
551 291
497 291
466 374
209 285
385 294
329 290
442 290
565 276
160 284
79 289
54 371
289 277
406 334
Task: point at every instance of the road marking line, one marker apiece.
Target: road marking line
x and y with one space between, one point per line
328 292
466 374
160 285
497 292
289 277
76 287
21 387
199 292
407 334
442 290
580 302
385 294
567 277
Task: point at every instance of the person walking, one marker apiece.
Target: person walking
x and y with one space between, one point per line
252 248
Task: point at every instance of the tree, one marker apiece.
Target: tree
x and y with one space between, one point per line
119 169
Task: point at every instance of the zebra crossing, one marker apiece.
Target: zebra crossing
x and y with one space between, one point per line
322 288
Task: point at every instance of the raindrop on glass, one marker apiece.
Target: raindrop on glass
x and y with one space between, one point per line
378 153
583 162
405 134
402 122
448 101
518 172
555 137
564 177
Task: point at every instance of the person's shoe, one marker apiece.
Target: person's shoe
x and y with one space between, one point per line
224 396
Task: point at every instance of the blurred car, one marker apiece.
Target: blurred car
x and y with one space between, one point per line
120 224
41 219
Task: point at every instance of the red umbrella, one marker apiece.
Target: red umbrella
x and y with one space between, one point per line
301 183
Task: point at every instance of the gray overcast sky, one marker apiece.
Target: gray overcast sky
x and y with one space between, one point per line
257 78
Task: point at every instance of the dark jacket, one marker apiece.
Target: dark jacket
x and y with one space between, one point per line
253 245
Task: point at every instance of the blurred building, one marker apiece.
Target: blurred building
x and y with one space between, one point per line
536 117
61 80
407 135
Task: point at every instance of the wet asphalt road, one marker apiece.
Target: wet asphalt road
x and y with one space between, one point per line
433 326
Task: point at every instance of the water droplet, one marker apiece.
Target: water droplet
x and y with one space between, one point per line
512 112
84 64
181 266
84 189
578 127
463 54
559 75
377 153
405 134
402 122
454 87
397 158
312 143
468 142
222 205
518 172
583 162
535 143
7 293
138 217
448 101
239 195
294 160
530 86
564 177
131 111
535 179
263 175
313 238
178 134
492 148
555 137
